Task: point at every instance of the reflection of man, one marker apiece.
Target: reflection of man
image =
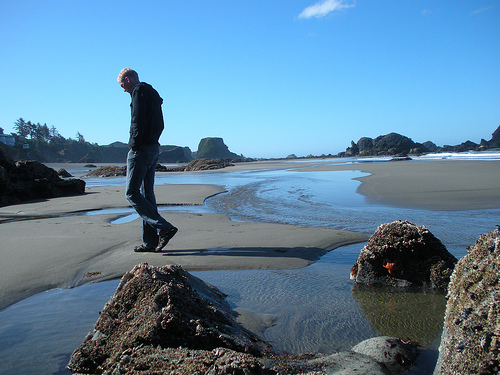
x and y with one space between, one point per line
145 130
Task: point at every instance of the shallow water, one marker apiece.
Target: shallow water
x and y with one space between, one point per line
317 307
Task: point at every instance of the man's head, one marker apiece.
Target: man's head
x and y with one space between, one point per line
127 79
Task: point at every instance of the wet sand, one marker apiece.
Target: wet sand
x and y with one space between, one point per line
453 185
49 243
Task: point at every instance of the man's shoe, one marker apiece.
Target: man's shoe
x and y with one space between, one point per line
143 249
164 238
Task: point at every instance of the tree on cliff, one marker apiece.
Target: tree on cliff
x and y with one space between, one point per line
34 131
21 127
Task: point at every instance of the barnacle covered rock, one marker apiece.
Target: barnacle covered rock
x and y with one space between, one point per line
404 254
471 339
160 308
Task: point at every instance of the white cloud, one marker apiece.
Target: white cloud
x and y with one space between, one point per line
322 8
481 10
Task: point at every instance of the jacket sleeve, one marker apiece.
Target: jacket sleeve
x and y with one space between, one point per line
138 108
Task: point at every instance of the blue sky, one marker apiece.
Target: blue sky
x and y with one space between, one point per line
270 77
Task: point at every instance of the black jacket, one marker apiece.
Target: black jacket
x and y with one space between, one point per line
146 117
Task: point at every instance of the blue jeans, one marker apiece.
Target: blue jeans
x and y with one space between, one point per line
139 191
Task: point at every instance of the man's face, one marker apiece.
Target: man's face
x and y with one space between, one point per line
128 84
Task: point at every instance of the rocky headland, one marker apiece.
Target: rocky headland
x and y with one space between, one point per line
397 144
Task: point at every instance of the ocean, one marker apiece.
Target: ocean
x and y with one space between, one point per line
313 309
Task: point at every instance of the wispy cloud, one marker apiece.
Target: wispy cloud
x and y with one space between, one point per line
324 7
481 10
426 12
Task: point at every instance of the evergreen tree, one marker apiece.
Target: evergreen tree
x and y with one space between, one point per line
22 128
53 132
44 132
80 138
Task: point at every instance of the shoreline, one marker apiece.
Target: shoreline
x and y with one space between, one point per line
51 243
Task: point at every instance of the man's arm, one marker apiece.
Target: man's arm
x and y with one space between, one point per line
138 118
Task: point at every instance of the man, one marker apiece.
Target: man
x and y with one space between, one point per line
145 129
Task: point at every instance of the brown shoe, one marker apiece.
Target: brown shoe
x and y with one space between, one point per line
165 237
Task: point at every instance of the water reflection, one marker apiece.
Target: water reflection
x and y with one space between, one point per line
411 314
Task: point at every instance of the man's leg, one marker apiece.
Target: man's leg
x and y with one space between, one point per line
138 163
150 234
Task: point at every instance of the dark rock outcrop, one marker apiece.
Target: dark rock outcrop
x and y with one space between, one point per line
495 139
214 148
396 144
206 164
107 171
154 309
64 173
27 180
389 144
471 337
403 254
176 155
431 146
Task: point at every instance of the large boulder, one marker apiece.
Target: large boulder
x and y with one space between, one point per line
28 180
396 354
403 254
157 308
471 337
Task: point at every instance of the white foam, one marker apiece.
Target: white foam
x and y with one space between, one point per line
469 155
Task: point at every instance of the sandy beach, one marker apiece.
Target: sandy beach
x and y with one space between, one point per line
52 243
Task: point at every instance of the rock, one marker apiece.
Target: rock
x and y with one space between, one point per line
431 146
27 180
403 254
345 363
495 139
206 164
214 148
176 155
107 171
396 354
157 308
471 338
466 146
63 173
162 168
389 144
